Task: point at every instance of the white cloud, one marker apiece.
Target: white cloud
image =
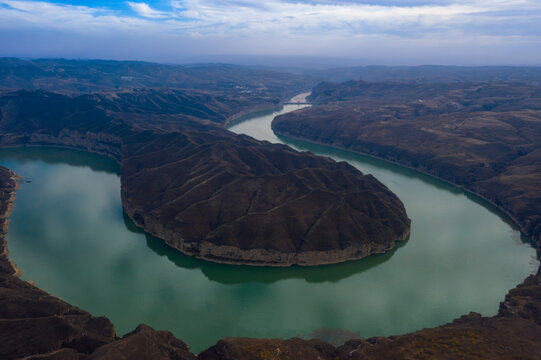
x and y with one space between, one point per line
23 14
310 27
284 18
143 9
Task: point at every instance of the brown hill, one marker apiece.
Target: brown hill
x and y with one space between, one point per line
230 198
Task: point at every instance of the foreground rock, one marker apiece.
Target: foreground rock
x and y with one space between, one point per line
524 301
470 337
485 137
144 343
271 349
33 322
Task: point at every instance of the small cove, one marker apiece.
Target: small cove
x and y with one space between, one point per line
69 235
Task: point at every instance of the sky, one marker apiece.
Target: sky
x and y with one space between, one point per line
386 32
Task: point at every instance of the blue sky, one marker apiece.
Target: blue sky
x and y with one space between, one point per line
460 32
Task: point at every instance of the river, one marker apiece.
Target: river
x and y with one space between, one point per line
69 235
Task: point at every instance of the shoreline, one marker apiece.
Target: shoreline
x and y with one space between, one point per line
17 272
211 253
300 98
256 110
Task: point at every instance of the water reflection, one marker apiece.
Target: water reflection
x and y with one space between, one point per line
50 155
236 274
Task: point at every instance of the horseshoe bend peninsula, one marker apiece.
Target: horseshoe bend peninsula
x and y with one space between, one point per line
208 192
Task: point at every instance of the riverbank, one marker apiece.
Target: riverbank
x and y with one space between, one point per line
31 320
300 98
8 189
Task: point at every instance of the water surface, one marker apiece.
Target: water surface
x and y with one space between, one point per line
69 235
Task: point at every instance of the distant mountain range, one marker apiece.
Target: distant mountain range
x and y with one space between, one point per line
83 76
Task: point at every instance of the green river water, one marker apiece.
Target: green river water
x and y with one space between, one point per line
69 235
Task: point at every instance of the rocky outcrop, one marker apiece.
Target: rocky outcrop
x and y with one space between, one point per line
144 343
484 137
269 349
469 337
524 301
228 198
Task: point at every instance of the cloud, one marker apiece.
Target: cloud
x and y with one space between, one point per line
353 18
415 19
143 9
309 27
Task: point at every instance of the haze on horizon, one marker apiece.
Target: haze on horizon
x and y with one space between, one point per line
387 32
